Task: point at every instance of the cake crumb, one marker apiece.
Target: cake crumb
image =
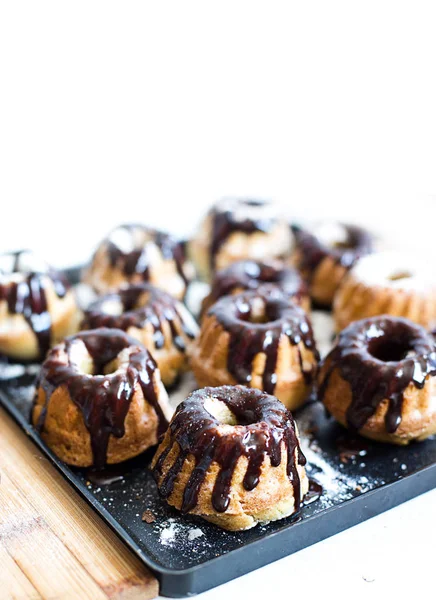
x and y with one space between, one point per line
168 534
148 516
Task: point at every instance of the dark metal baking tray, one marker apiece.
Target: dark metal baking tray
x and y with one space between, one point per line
360 479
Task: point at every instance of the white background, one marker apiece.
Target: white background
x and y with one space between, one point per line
145 111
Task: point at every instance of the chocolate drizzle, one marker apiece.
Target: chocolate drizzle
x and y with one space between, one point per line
225 221
103 399
257 275
264 426
312 251
249 337
314 493
138 260
142 304
26 295
380 358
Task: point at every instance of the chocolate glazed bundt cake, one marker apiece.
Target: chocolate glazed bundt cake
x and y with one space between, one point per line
270 276
259 340
156 319
231 455
239 229
99 399
380 380
37 306
325 253
134 254
387 283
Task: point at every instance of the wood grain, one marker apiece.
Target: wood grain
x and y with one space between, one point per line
52 544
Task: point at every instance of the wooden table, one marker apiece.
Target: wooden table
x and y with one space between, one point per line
52 544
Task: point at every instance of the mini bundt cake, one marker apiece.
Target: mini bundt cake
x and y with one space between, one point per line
268 276
239 229
380 380
259 340
387 283
231 455
325 253
134 254
99 399
156 319
37 306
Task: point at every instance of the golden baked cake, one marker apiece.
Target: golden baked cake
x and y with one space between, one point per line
325 253
380 380
37 306
239 229
387 283
231 455
259 340
159 321
265 275
99 399
134 254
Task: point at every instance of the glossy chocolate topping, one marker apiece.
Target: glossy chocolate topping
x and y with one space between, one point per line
257 275
141 304
263 427
103 399
234 216
380 358
137 260
248 336
313 251
23 287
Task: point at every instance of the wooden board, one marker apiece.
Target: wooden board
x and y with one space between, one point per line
52 544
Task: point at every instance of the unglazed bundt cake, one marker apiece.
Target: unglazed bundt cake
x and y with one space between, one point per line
387 283
239 229
37 306
99 399
325 253
380 380
135 253
260 340
266 275
152 316
231 455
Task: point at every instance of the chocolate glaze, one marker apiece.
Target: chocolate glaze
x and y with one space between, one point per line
103 477
264 425
28 297
313 251
103 400
257 275
379 358
314 493
247 338
225 222
137 262
142 304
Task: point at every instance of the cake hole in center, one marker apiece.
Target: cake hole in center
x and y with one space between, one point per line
258 319
341 245
220 411
253 202
389 351
113 308
400 275
109 368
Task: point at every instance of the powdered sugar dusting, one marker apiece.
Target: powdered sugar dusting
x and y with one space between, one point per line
193 534
175 533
